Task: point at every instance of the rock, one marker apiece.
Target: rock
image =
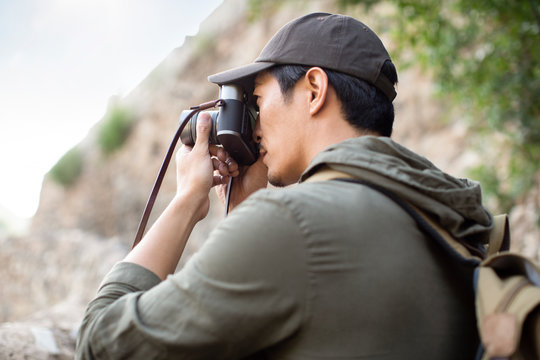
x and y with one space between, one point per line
46 335
80 231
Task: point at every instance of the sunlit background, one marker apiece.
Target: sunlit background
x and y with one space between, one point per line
60 62
467 100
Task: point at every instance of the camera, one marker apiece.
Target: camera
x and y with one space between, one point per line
232 126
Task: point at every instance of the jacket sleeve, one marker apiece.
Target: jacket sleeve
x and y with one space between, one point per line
245 290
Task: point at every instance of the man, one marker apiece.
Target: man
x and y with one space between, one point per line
324 269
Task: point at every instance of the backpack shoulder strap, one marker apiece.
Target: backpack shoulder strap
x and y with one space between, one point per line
499 238
325 173
459 250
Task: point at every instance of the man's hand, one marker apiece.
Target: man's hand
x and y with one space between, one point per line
204 166
197 171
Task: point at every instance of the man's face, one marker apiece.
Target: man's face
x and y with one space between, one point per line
279 130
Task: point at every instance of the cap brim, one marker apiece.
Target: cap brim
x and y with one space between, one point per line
243 76
239 74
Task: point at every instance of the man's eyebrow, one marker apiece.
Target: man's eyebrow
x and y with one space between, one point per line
256 83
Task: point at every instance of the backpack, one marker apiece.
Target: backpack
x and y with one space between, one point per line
507 285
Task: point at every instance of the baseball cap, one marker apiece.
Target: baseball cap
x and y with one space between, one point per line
335 42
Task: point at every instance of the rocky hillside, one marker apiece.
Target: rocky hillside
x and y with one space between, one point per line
81 230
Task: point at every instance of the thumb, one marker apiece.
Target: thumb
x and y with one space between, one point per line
204 126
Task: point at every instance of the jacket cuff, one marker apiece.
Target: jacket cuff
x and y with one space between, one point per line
134 275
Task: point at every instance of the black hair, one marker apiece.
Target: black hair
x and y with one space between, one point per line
363 105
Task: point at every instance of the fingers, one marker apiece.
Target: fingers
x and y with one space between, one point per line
220 166
234 170
219 179
220 153
221 159
224 169
223 162
204 126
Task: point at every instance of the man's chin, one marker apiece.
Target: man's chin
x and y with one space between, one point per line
278 181
274 181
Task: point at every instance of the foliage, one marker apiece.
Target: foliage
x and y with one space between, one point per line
68 168
115 128
485 56
263 8
204 43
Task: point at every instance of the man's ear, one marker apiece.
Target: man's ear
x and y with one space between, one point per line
317 82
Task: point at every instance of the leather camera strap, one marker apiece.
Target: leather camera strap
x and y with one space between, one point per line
165 164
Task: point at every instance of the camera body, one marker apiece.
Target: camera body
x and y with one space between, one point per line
232 126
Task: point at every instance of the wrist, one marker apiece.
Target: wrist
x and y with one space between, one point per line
190 203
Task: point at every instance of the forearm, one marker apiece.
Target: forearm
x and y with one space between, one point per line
161 248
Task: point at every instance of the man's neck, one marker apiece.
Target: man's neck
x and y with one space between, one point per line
328 133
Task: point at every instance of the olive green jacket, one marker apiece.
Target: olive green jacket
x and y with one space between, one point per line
320 270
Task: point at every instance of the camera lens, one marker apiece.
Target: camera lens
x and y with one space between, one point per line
189 134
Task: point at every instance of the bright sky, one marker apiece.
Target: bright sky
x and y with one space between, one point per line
60 62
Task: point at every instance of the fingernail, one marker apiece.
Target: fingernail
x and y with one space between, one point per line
204 117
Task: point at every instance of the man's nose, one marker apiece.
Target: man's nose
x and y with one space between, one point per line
257 133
